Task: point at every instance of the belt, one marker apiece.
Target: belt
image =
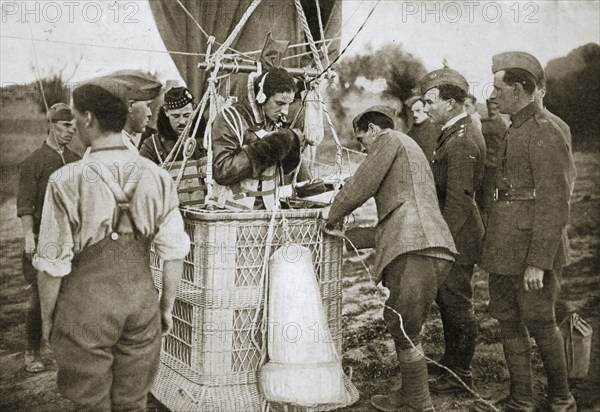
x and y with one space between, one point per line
514 194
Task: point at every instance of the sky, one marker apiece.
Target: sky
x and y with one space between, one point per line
464 33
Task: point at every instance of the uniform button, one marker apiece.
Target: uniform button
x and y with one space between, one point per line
114 235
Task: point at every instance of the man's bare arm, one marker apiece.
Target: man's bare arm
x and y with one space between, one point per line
49 288
172 271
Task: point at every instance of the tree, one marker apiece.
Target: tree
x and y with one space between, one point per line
573 93
401 70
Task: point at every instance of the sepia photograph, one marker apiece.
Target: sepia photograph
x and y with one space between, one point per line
299 205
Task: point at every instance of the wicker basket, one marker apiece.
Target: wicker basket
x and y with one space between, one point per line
209 361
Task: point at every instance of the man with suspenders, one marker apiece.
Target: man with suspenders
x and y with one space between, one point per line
100 308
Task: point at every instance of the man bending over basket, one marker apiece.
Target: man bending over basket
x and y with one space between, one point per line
413 243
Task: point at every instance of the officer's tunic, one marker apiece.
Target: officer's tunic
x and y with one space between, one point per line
457 166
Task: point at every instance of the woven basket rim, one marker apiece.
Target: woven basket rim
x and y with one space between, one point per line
194 213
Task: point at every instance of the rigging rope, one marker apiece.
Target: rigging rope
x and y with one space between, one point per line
362 26
382 296
309 36
206 34
322 30
103 46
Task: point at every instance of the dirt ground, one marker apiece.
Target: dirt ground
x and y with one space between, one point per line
368 349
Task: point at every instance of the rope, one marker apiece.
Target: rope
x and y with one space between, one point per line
206 34
339 160
226 45
70 43
321 28
325 46
362 26
296 45
309 36
477 397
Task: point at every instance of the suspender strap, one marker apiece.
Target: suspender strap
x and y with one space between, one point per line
119 193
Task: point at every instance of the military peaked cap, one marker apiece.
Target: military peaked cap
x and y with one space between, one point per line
384 110
518 60
59 112
445 76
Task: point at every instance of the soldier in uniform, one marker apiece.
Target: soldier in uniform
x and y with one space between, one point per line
471 109
458 164
423 131
414 246
526 245
173 117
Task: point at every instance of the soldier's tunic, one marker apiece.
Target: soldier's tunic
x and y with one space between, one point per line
527 224
457 166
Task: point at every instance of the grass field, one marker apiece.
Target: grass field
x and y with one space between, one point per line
368 349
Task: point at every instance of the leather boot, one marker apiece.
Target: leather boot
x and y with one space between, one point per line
447 358
414 393
508 404
563 404
448 383
517 352
462 349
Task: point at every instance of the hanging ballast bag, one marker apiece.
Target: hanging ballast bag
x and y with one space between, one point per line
577 336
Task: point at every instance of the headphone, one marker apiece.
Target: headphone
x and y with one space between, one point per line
261 97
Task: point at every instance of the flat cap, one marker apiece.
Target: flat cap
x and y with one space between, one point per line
59 112
518 60
384 110
440 77
145 86
129 85
177 97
